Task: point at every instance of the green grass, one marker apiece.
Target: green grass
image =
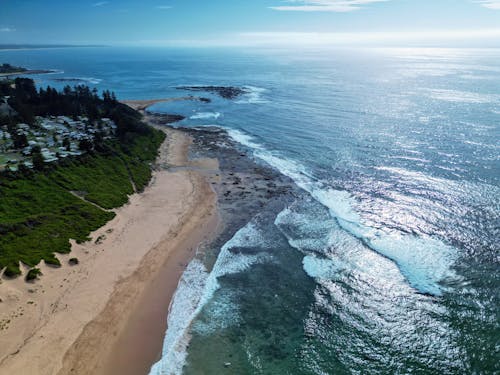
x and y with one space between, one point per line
142 151
38 217
38 214
102 180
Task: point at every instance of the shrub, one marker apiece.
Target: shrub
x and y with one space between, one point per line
33 274
12 270
52 261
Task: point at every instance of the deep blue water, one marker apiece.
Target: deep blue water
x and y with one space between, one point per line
388 262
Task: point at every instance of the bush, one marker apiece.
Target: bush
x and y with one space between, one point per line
12 270
52 261
33 274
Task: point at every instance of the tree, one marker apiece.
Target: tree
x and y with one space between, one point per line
20 140
86 145
23 170
37 159
66 143
99 141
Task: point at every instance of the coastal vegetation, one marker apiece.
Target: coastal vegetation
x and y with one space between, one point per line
33 274
45 203
7 68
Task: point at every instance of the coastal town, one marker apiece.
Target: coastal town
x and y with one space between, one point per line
54 137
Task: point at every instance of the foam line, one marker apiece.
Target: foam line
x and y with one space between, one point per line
196 288
424 261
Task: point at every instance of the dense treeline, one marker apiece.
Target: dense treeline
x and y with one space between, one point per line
29 102
39 212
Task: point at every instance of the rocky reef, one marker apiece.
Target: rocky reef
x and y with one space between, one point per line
226 92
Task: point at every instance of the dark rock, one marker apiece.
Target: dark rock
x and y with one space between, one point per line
73 261
226 92
163 119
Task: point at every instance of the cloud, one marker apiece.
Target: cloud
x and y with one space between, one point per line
100 3
7 30
490 4
163 7
327 5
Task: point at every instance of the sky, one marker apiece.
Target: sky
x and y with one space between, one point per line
251 22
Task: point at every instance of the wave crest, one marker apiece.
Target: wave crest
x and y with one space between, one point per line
423 261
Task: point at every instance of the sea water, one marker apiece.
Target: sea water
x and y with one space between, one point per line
387 262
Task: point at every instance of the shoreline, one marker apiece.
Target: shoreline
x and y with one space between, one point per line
61 323
28 72
143 104
109 313
143 309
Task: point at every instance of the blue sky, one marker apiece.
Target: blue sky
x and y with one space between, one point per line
234 22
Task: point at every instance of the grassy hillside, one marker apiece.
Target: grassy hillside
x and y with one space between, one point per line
42 209
38 214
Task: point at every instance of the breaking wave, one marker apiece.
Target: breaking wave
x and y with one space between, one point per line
423 261
196 288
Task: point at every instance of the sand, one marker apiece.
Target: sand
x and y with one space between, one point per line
142 105
107 315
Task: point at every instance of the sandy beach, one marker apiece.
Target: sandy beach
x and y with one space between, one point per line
142 105
88 318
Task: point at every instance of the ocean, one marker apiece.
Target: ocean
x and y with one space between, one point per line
387 262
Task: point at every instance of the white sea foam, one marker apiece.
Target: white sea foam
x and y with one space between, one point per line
92 80
322 268
254 95
184 303
196 288
243 138
222 312
56 71
423 261
205 116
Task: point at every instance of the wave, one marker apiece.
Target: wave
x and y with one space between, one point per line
205 116
254 95
423 261
55 71
185 302
196 288
322 268
91 80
